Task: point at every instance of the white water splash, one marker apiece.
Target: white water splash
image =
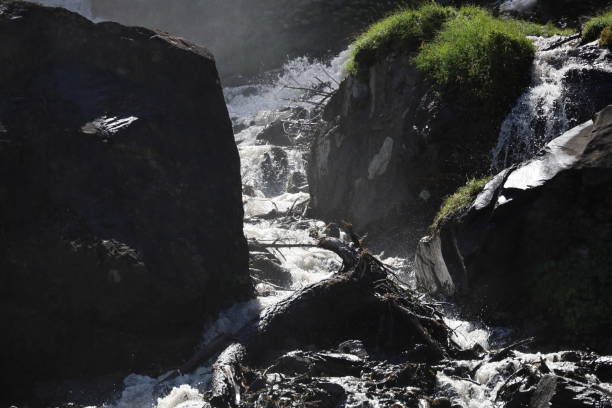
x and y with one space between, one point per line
519 6
540 114
255 107
250 102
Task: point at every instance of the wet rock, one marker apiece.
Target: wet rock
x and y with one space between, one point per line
332 230
317 364
275 134
269 270
275 170
248 190
532 249
354 347
120 199
297 182
389 149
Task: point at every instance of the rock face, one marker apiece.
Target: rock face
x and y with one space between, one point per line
120 201
534 248
390 149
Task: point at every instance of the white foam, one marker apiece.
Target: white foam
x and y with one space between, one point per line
539 115
520 6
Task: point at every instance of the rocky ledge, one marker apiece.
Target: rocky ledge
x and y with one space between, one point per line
120 201
533 251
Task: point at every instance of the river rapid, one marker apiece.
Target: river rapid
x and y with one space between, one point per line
275 215
275 197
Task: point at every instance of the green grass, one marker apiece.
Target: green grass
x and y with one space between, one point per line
484 58
405 30
592 29
606 37
457 203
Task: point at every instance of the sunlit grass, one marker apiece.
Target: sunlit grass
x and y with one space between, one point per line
405 30
593 28
458 202
485 58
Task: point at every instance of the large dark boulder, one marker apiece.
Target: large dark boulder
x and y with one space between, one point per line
120 199
533 251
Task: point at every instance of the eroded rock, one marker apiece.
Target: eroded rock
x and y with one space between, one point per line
120 205
533 249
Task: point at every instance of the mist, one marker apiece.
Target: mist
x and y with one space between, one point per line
520 6
248 37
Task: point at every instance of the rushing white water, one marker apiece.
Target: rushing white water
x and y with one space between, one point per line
519 6
253 108
540 114
83 7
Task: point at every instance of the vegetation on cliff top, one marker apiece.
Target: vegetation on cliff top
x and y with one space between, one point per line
404 30
593 28
484 57
455 204
606 37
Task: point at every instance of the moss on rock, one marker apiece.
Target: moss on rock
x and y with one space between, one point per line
405 30
593 28
458 202
485 58
605 40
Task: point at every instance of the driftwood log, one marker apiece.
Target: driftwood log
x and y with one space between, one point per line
360 302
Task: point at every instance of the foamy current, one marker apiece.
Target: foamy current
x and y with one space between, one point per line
540 113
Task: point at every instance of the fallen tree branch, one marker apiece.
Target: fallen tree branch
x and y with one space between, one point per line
563 41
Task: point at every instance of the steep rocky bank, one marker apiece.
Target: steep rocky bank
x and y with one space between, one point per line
390 148
533 249
332 324
121 215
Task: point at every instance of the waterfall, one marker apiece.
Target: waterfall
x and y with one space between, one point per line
519 6
543 111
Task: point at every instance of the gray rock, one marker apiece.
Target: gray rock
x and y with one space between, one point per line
119 236
266 268
297 182
275 134
533 250
275 171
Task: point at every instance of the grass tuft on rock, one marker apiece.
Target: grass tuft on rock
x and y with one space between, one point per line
457 203
605 40
593 28
405 30
485 58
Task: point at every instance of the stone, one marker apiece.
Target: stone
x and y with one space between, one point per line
533 250
275 170
275 134
389 149
120 201
297 182
268 269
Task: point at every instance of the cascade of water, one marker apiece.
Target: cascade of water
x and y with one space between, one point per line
254 107
540 114
520 6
